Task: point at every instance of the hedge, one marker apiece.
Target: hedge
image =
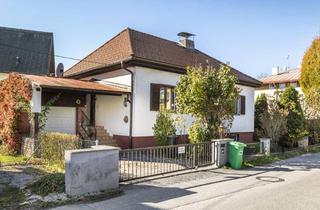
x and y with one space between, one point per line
53 145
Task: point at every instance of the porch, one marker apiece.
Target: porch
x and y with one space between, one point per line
72 106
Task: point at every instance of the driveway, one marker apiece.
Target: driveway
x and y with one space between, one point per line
290 184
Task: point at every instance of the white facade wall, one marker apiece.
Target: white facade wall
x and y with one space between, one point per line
144 118
245 123
110 110
270 92
110 113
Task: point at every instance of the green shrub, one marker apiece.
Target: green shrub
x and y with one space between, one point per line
296 123
198 132
53 146
260 106
51 183
164 127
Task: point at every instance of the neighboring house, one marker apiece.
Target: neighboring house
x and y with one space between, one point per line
278 81
26 51
149 67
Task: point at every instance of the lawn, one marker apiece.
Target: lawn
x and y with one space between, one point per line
8 159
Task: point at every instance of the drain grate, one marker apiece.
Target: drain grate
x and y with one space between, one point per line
270 179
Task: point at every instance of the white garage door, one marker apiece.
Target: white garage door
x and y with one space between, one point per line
61 119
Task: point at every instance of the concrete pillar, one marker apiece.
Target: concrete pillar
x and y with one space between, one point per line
265 146
220 152
91 170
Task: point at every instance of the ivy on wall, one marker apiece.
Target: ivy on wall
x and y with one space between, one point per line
15 94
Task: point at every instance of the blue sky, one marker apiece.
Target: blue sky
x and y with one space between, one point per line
253 35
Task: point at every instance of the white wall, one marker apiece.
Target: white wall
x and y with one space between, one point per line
110 112
270 92
245 123
120 77
144 118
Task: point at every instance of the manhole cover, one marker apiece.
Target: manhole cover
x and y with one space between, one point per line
270 179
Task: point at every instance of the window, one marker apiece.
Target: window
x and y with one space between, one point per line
162 97
240 106
282 85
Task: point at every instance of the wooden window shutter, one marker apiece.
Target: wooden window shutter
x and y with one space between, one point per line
154 97
243 105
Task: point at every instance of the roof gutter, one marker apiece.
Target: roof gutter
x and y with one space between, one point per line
130 101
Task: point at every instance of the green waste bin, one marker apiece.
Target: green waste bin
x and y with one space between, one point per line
235 154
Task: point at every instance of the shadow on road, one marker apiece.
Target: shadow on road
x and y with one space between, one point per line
305 162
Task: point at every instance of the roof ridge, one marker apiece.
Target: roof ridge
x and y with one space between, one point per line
101 46
155 36
130 41
24 30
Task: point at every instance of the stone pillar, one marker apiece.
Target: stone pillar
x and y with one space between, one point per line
220 152
34 134
303 143
91 170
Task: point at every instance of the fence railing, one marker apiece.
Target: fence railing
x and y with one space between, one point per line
152 161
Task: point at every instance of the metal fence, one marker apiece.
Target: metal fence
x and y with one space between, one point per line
152 161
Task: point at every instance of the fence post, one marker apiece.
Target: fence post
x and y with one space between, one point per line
220 151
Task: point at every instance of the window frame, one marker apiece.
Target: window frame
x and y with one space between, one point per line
165 87
240 106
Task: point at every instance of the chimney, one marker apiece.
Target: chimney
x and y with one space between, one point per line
275 70
185 41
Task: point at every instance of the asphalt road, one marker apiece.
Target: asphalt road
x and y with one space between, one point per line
291 184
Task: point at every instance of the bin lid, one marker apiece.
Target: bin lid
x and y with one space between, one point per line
237 144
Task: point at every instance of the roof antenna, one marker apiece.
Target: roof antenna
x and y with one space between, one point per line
18 61
287 66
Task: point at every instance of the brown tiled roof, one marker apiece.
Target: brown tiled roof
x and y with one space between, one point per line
132 44
72 84
291 75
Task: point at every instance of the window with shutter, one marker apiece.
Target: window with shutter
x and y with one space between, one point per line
154 97
162 97
243 105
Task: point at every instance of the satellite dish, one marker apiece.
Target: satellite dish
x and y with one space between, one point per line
60 70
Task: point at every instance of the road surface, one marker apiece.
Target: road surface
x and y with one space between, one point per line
291 184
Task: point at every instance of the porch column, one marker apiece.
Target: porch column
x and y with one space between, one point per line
93 109
36 110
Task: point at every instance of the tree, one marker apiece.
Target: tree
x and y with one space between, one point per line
296 124
209 95
164 127
310 75
273 122
260 106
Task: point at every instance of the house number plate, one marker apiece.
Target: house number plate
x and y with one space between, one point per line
181 150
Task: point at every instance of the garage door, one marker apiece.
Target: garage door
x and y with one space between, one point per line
61 119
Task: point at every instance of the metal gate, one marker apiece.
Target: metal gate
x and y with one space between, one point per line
152 161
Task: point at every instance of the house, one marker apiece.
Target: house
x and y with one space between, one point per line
26 51
149 67
279 80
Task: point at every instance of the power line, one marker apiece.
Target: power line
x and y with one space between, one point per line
49 54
